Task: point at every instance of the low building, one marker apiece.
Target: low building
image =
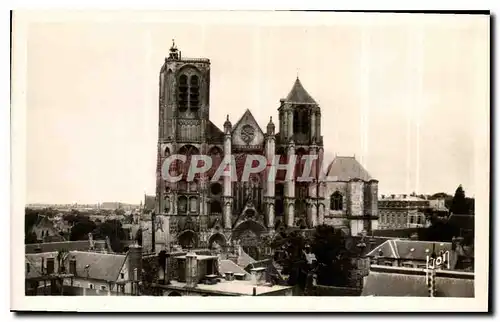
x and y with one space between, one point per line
203 275
414 253
83 273
401 281
402 211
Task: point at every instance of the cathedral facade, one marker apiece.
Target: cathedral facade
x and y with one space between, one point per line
204 212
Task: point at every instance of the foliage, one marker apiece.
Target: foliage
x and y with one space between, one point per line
459 204
82 226
112 229
334 260
333 266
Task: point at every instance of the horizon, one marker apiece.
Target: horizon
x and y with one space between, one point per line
405 96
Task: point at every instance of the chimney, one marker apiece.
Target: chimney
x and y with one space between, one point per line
72 266
191 270
229 276
134 266
257 275
163 272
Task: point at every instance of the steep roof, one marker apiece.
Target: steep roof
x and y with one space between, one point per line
396 284
298 94
347 168
105 267
102 266
214 134
248 118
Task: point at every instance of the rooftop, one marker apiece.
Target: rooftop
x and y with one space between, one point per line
347 168
235 287
56 246
409 249
389 281
198 257
298 94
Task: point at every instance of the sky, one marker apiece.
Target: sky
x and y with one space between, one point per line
407 95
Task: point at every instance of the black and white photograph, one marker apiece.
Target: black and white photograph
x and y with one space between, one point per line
246 154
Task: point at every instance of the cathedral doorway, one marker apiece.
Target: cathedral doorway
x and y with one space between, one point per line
187 239
249 233
216 240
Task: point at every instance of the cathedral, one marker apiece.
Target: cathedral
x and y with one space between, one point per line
203 212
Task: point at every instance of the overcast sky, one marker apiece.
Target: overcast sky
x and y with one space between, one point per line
407 95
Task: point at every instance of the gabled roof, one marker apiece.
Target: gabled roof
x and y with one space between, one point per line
298 94
248 118
347 168
396 284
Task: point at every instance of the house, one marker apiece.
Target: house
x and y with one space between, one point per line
83 272
414 253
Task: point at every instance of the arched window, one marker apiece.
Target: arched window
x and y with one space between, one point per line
336 201
193 204
181 204
166 203
183 93
194 93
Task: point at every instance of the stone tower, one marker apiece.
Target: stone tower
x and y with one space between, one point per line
300 134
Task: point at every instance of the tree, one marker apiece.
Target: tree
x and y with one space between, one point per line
112 229
81 228
333 258
459 204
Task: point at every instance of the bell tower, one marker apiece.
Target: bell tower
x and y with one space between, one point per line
184 97
299 135
184 105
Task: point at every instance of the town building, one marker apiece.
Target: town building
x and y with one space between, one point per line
402 211
83 272
414 253
200 213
